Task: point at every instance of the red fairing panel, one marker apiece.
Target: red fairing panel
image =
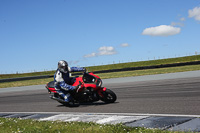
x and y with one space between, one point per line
77 81
52 90
90 85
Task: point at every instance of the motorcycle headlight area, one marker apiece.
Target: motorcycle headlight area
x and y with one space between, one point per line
99 82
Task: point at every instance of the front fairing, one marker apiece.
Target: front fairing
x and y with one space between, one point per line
89 80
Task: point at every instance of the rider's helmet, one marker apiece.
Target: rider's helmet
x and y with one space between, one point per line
63 66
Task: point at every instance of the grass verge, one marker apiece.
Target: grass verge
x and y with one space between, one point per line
113 66
146 63
25 83
108 75
9 125
7 76
149 71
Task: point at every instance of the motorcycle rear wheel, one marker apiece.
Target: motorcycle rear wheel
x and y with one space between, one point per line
109 96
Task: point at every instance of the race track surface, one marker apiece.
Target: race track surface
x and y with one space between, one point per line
179 95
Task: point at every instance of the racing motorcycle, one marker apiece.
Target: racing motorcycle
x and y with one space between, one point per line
91 90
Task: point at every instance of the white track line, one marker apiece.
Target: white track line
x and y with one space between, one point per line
89 113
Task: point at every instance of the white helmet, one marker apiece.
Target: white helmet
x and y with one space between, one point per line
63 66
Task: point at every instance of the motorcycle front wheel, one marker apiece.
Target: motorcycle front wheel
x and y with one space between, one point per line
109 96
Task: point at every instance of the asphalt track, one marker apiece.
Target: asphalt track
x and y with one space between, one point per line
177 93
165 101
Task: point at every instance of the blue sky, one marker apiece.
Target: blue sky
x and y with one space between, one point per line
36 34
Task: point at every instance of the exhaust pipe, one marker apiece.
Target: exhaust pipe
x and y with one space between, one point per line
57 99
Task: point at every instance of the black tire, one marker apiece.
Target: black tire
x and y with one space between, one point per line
73 104
109 96
70 104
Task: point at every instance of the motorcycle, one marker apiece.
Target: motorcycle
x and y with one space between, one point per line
90 91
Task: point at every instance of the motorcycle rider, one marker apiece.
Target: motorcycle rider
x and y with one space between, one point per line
63 81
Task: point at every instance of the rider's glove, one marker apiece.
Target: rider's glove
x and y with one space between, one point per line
84 69
76 88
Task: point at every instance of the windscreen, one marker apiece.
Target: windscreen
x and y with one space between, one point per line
87 78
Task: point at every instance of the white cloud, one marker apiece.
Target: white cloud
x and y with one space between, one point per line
102 51
107 50
90 55
177 24
74 62
162 30
124 45
195 12
182 19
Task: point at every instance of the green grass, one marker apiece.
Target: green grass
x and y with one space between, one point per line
10 125
114 66
108 75
146 63
25 83
6 76
149 71
113 74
